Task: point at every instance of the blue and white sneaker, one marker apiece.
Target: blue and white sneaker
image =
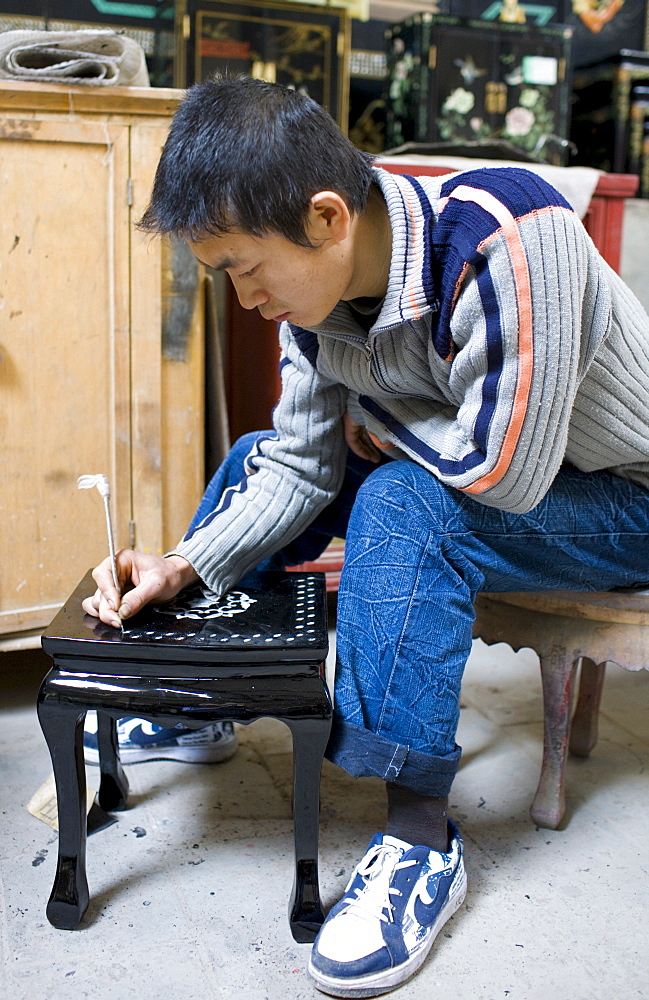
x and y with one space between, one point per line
140 741
398 899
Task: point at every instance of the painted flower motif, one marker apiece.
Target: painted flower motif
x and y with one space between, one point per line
459 100
529 97
476 123
519 121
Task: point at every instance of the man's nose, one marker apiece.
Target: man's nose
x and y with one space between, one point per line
250 296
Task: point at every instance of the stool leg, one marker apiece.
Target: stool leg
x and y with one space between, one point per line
309 742
113 789
557 677
62 727
583 732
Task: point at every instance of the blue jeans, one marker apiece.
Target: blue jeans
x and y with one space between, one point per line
417 552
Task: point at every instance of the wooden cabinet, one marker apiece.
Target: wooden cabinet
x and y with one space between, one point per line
101 343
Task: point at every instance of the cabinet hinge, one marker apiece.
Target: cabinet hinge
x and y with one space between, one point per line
129 191
131 534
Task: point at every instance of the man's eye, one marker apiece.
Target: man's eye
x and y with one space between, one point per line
246 274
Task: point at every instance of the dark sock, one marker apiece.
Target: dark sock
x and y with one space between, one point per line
417 819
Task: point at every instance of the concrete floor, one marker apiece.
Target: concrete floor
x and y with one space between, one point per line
189 887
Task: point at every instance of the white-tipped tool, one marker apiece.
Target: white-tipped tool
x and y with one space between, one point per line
102 484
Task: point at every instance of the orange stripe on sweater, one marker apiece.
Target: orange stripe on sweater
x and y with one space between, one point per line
509 232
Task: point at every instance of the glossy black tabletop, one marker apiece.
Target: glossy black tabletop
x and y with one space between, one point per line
268 617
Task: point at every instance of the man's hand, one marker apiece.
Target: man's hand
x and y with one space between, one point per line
361 442
143 578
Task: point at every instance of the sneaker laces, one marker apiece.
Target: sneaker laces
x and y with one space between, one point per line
376 869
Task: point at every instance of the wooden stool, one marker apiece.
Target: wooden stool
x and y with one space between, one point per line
565 627
259 651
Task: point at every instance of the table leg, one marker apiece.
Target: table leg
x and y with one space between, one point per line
309 742
113 789
62 727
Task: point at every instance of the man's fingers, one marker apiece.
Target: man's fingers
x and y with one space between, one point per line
98 608
143 579
364 448
368 452
358 440
133 601
153 585
91 605
103 577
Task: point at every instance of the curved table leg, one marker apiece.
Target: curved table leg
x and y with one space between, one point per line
113 789
62 727
309 742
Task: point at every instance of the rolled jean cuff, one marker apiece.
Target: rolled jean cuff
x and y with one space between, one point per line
364 754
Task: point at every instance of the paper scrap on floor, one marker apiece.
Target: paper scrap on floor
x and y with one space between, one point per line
42 804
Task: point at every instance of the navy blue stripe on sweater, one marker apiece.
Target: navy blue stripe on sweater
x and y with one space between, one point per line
224 504
404 269
250 465
494 352
463 225
520 191
489 395
449 467
307 342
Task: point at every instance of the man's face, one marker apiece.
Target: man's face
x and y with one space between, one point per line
282 280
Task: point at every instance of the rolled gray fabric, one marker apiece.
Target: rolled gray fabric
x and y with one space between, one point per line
94 58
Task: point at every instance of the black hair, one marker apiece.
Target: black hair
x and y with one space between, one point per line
249 155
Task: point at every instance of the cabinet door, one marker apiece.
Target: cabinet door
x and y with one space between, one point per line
467 99
501 82
167 368
64 355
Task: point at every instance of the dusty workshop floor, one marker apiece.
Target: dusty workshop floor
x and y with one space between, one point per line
189 887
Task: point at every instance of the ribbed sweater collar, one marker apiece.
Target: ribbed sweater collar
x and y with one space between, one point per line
412 204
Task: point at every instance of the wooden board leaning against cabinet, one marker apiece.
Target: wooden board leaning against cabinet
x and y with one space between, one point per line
101 343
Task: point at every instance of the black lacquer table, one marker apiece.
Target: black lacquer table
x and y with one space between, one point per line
258 651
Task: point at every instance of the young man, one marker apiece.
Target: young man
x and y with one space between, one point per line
465 396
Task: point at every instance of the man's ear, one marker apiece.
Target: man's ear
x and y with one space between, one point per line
329 217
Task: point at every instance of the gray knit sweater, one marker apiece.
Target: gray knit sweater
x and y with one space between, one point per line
504 346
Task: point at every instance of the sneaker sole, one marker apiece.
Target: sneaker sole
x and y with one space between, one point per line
383 982
180 755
